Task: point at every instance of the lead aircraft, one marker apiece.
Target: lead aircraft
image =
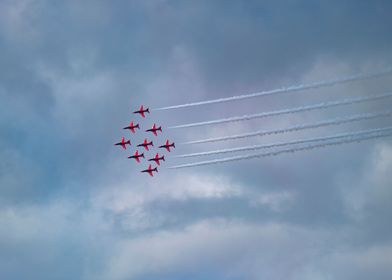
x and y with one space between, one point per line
123 143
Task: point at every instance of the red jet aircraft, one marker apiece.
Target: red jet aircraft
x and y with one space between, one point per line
136 156
132 127
145 144
167 145
157 159
154 129
141 111
150 170
123 143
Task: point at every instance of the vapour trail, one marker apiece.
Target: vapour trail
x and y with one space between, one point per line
336 121
312 107
294 88
286 151
280 144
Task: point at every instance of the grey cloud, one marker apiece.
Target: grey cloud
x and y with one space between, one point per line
70 73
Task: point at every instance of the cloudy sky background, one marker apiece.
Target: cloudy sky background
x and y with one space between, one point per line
72 206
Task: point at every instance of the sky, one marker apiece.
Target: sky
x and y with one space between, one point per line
72 206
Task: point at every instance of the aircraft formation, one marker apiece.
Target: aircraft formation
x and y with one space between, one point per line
274 148
147 144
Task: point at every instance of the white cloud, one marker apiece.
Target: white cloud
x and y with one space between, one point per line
18 20
233 248
277 201
134 203
370 262
18 174
382 165
228 248
373 185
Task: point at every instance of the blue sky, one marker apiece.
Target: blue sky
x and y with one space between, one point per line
72 206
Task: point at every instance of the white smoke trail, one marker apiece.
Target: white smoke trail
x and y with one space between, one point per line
336 121
295 88
322 105
280 144
286 151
